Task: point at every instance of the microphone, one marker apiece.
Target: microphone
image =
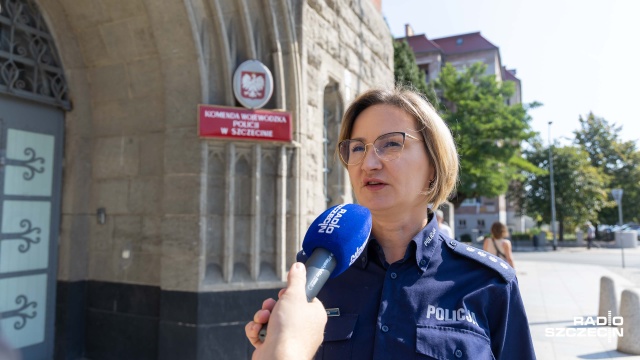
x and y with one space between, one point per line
335 240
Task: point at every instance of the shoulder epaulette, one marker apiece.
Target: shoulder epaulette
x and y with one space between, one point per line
483 257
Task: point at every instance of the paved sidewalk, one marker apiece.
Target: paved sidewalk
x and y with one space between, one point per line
554 293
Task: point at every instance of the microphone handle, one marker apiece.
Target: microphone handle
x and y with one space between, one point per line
319 266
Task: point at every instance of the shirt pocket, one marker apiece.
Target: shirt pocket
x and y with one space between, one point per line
440 342
337 337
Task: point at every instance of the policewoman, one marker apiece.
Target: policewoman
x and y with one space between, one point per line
414 293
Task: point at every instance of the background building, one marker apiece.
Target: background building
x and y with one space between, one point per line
123 230
474 216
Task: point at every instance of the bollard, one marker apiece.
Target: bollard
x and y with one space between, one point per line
579 238
626 239
629 342
608 297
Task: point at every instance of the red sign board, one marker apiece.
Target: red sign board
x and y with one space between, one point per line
243 124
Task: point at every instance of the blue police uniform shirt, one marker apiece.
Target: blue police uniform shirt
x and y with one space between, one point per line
444 300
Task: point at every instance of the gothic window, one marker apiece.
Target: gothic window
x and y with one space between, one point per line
332 168
29 63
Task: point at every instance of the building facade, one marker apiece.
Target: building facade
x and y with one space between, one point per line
124 234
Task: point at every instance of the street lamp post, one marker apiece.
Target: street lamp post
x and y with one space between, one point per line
617 196
553 194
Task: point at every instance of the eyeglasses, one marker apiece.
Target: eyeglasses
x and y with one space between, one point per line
387 146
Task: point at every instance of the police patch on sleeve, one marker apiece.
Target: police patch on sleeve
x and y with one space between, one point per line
483 257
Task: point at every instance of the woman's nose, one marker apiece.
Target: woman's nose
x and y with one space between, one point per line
371 159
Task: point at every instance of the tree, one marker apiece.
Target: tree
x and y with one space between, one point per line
617 160
579 187
406 71
487 131
626 178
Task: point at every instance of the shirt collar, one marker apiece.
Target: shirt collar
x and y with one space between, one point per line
424 245
426 241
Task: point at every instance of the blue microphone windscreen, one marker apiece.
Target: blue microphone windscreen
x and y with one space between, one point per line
343 230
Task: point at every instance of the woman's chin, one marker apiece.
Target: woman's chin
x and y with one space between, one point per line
379 205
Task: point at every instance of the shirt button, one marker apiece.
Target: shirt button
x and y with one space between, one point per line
385 328
422 262
394 275
458 353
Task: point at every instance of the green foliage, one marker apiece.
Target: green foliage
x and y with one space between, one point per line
521 236
465 238
488 132
406 72
534 231
600 140
618 161
579 187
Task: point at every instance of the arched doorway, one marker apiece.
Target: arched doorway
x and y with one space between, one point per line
33 97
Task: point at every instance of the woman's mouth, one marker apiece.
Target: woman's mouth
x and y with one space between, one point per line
374 184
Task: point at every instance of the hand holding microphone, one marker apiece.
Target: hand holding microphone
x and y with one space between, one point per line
296 326
334 241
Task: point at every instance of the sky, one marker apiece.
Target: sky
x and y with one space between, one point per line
573 56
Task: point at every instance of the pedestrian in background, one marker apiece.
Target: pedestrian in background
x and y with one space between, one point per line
591 233
443 226
498 244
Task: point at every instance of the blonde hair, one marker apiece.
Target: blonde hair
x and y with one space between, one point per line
499 230
441 149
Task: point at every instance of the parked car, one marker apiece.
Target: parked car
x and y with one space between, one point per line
608 232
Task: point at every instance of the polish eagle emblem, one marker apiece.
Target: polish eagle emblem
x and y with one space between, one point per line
252 84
